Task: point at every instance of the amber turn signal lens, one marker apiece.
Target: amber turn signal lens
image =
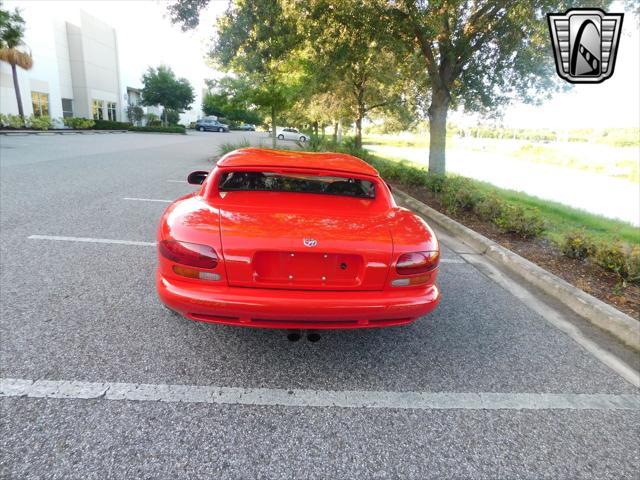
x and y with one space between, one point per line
193 273
404 282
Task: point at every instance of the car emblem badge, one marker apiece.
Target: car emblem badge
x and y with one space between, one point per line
309 242
585 43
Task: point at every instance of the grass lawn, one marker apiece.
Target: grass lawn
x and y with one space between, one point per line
560 218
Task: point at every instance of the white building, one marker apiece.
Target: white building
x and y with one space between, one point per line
76 71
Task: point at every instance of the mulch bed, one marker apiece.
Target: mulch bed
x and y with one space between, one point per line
586 276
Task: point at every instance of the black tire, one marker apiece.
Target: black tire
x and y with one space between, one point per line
201 129
280 137
220 129
303 139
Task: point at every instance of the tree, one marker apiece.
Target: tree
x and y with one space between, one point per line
479 54
172 117
347 42
161 87
231 98
259 41
11 48
135 114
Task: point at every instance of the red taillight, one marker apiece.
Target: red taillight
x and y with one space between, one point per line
192 254
417 262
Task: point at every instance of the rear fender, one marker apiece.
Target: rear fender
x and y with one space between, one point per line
192 220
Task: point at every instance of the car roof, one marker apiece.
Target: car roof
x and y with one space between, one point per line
259 157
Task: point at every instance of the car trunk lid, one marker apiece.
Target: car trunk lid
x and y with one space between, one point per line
304 250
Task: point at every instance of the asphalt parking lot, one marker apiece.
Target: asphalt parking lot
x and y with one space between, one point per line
487 386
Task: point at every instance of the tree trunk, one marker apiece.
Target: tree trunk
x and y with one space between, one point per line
16 87
335 132
315 128
273 126
164 116
438 130
339 132
358 132
361 112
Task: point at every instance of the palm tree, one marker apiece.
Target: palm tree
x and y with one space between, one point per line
12 48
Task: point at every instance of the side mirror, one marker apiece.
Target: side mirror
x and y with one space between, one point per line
197 178
389 186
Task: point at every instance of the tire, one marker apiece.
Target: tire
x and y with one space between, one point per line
220 129
201 129
280 137
303 139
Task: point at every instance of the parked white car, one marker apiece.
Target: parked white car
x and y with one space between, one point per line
292 134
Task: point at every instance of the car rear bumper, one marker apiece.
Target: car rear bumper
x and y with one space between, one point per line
296 309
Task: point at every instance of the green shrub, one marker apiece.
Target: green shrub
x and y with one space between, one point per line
612 256
12 121
490 207
318 144
435 182
227 147
412 176
110 125
388 170
633 265
78 123
39 123
577 244
459 195
617 258
173 129
525 223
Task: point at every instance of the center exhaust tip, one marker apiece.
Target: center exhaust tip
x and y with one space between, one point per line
313 337
294 336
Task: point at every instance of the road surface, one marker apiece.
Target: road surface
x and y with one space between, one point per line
100 381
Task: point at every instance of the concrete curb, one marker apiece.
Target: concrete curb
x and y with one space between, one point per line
601 314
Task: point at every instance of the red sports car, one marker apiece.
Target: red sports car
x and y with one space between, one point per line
294 240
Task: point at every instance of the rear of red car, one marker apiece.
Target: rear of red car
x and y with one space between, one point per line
296 247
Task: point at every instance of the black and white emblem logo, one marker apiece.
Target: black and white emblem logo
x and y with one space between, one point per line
309 242
585 43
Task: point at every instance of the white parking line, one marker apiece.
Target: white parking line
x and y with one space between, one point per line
177 181
146 244
90 240
147 200
12 387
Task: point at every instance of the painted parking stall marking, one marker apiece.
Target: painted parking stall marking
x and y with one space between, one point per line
91 240
56 238
19 387
147 200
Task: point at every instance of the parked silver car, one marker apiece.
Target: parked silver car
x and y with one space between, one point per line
292 134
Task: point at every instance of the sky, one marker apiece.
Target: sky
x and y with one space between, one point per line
146 37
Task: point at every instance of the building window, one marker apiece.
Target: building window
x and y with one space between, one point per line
40 103
111 111
67 108
98 114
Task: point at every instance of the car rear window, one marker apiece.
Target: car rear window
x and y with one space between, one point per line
297 183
